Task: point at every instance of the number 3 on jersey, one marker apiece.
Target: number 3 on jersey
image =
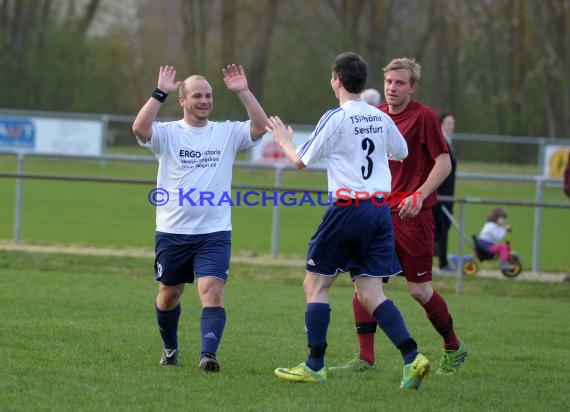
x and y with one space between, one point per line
368 146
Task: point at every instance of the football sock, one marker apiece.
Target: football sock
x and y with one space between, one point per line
317 318
212 325
168 326
365 330
392 323
438 314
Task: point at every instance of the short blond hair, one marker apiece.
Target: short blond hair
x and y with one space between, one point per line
406 63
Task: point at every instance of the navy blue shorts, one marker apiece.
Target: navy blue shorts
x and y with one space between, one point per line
355 238
180 258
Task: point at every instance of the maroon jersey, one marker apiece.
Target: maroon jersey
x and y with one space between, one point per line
420 127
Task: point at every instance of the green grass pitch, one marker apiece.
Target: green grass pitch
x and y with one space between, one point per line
79 333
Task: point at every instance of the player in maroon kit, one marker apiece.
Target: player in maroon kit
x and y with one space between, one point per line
425 168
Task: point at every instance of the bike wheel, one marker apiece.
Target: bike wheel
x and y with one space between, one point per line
515 261
470 267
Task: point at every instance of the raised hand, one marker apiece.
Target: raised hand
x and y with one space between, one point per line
282 134
166 79
234 77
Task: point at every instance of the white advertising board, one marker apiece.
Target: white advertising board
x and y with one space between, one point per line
51 135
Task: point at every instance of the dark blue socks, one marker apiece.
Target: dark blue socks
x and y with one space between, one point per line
317 319
168 326
212 326
392 323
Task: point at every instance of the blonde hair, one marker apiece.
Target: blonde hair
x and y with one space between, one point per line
406 63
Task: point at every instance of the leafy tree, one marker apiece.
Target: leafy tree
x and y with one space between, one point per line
52 63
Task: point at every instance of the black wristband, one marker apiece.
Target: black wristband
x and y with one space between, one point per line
159 95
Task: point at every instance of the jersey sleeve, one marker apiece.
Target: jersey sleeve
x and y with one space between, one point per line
241 134
396 144
156 142
435 141
320 141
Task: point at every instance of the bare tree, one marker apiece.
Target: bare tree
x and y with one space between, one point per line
195 19
5 16
85 21
517 59
43 26
261 47
440 55
375 45
229 34
558 67
453 63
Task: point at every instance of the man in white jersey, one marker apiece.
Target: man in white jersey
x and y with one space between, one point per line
356 232
193 238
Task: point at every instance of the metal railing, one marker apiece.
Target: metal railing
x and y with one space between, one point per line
538 204
114 123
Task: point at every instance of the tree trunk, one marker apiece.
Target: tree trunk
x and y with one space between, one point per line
375 43
565 51
5 16
18 36
85 22
43 26
194 15
439 73
492 84
424 39
349 14
228 31
258 64
516 83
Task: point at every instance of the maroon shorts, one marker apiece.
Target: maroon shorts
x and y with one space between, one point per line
414 245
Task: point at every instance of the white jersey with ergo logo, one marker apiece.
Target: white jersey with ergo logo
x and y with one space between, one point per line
195 171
